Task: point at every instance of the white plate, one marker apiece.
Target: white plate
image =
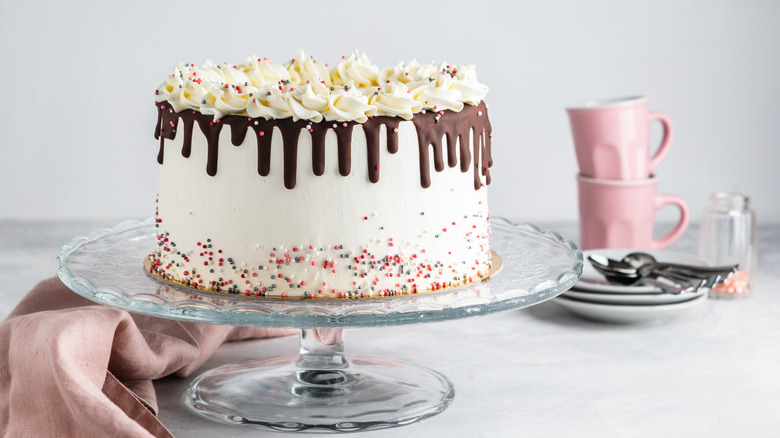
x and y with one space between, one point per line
628 314
634 299
592 280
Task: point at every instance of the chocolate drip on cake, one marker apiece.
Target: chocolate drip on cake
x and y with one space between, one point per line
391 126
263 149
318 151
157 132
211 130
290 133
371 130
186 146
432 128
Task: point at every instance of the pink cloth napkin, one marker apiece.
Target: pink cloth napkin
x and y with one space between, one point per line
73 368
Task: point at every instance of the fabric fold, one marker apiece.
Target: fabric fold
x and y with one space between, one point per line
70 367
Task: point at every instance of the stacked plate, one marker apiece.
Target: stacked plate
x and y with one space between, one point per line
594 298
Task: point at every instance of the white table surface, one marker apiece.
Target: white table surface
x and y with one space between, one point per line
541 371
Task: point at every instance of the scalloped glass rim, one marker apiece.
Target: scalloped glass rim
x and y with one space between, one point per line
106 266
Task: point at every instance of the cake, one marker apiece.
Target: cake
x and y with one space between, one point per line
303 181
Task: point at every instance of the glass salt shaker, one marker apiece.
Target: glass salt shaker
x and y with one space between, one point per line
728 236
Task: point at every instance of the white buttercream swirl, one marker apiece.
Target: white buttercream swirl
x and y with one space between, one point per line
225 73
269 103
263 71
465 82
436 93
394 99
304 89
355 69
305 68
184 88
309 101
348 103
409 71
172 83
227 99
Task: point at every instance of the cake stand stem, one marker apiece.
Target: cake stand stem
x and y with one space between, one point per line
322 368
322 349
321 389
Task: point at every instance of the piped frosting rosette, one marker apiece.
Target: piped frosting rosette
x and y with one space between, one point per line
305 89
394 99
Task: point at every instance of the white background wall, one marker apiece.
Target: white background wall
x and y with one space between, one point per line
76 114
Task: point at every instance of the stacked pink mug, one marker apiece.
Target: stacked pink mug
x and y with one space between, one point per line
618 195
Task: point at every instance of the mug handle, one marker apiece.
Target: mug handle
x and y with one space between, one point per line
667 140
662 201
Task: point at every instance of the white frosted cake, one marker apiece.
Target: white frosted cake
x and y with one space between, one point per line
297 181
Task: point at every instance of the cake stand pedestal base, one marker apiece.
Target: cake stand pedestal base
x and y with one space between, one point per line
321 390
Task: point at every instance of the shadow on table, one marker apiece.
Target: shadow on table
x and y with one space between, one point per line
551 312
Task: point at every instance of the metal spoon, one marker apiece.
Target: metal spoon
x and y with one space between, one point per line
644 263
641 268
607 265
616 272
638 259
672 288
664 284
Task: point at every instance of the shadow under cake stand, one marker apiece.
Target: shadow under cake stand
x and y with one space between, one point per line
321 389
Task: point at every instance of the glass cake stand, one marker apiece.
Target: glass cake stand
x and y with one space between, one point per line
321 389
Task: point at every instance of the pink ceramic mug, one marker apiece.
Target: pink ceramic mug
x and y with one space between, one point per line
612 138
621 214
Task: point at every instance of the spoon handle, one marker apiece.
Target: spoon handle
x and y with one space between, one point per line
670 286
686 269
